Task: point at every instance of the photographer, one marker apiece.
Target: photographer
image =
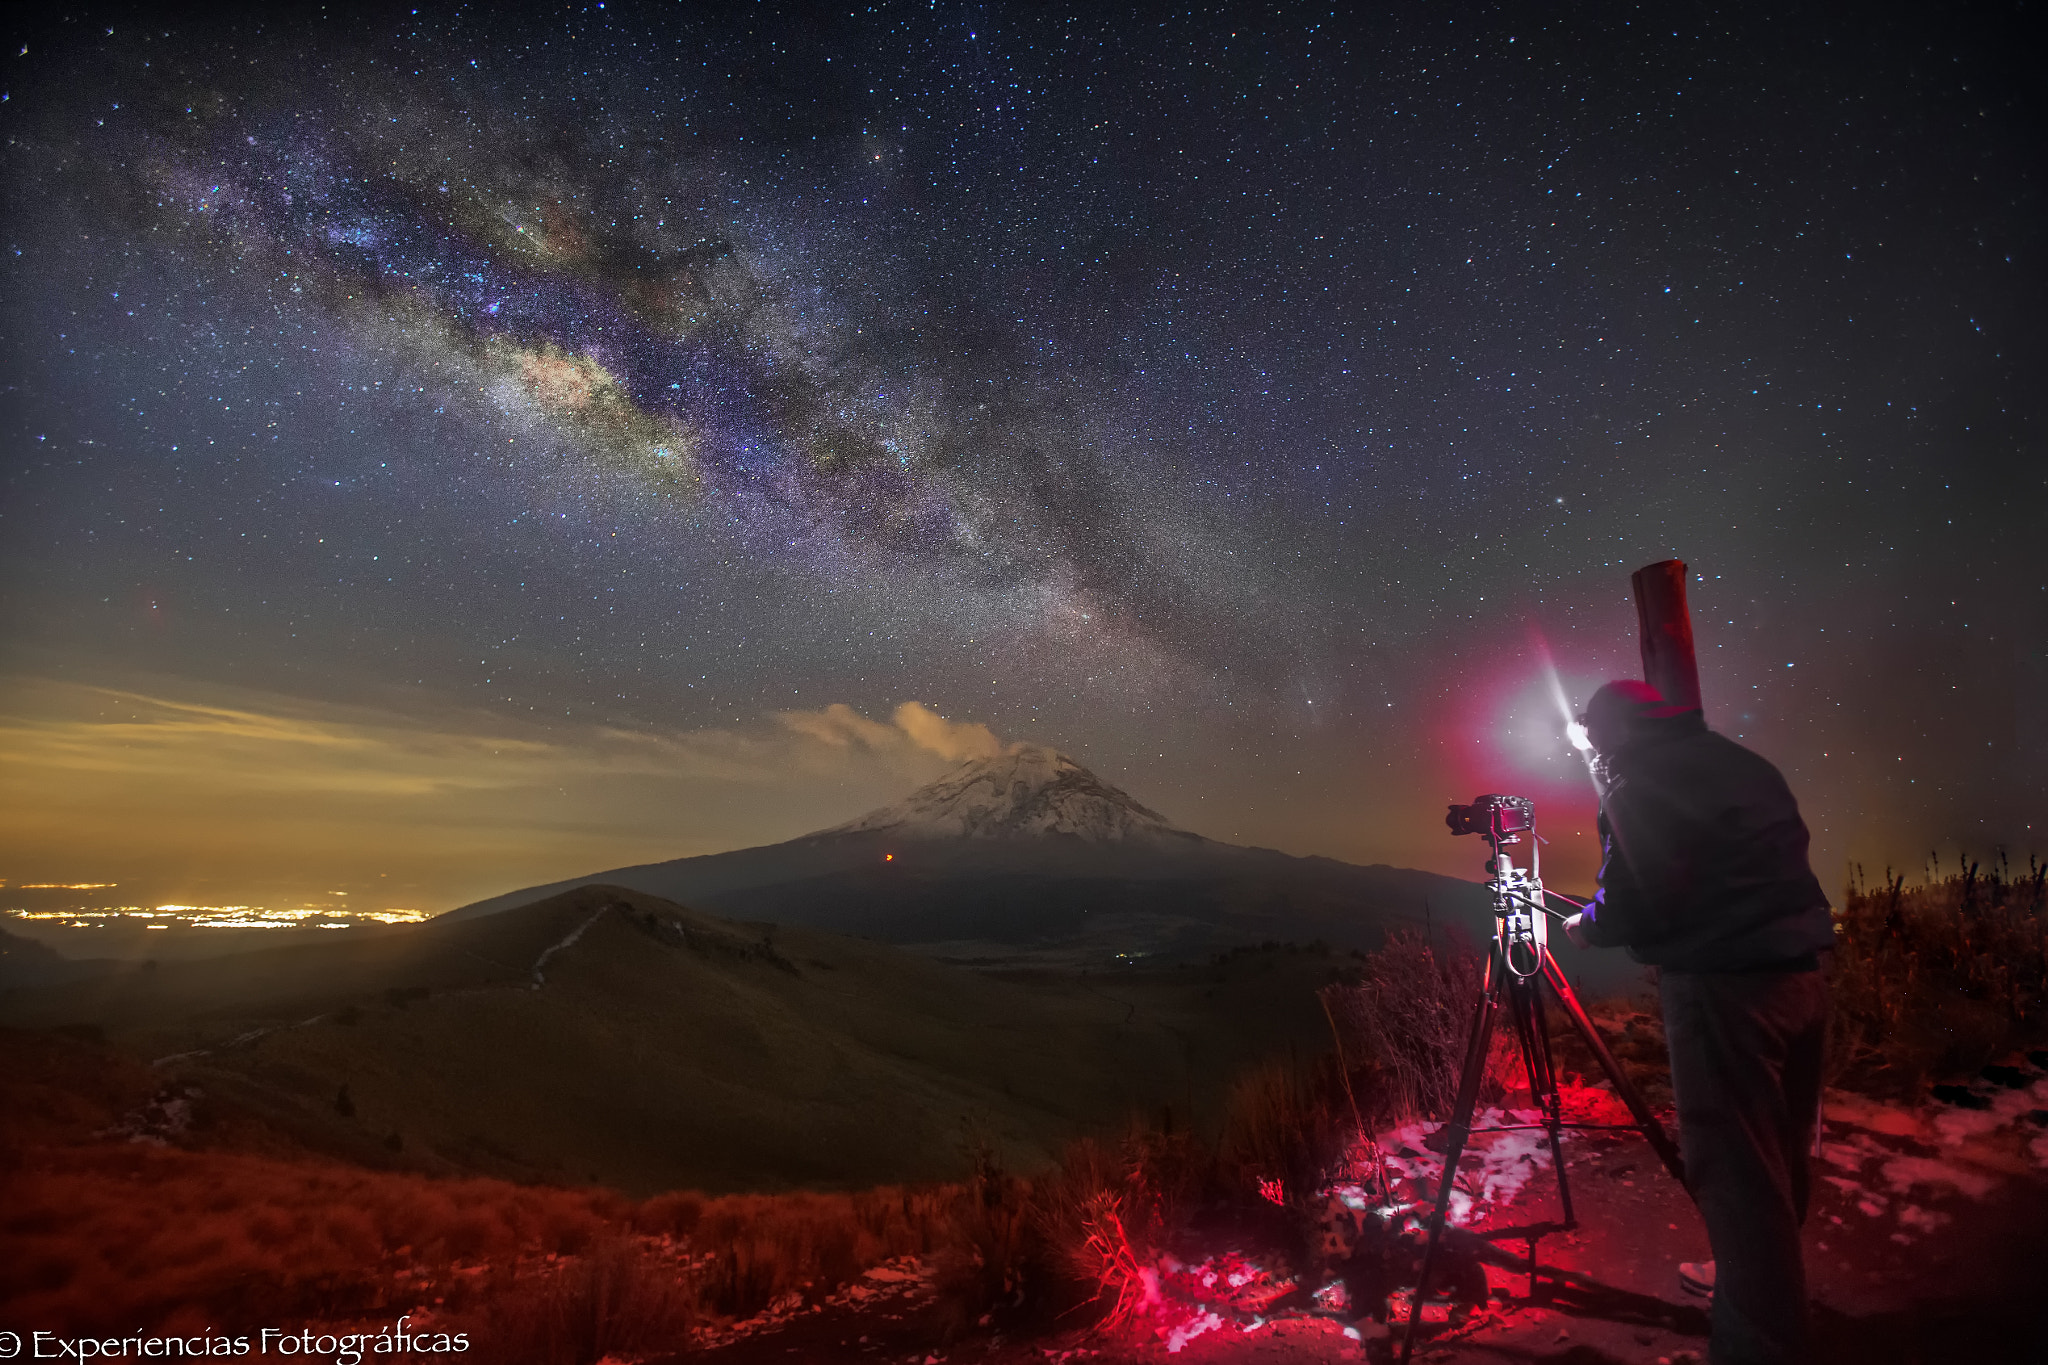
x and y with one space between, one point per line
1705 877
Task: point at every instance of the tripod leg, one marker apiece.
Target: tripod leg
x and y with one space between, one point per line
1549 1100
1653 1131
1456 1133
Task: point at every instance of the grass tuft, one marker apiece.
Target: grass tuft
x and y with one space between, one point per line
1937 979
1403 1018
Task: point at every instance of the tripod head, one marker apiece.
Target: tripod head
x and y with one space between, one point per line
1518 924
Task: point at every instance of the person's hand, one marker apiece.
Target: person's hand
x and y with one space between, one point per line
1575 930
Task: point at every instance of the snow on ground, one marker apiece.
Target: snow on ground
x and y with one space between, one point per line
1962 1144
1901 1189
1505 1161
1495 1165
1911 1170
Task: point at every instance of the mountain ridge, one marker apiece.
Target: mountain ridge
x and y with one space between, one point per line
1026 859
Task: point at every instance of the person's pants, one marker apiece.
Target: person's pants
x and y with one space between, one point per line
1746 1052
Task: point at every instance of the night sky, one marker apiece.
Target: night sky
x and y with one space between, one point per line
446 449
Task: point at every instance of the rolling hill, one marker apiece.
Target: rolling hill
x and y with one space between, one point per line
603 1035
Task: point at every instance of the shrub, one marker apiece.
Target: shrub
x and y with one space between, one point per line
1081 1217
1284 1124
1938 977
1402 1023
619 1299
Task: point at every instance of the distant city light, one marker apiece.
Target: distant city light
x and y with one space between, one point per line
180 916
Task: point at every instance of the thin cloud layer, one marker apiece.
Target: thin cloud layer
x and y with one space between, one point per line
99 781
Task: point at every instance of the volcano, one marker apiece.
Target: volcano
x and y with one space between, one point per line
1028 859
1026 792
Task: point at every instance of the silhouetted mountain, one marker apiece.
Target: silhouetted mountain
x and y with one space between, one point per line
1028 858
25 962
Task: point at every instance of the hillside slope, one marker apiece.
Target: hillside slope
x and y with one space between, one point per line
607 1036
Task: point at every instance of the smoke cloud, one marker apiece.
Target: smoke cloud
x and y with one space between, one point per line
842 727
952 740
913 725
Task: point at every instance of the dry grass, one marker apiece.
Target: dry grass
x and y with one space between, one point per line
756 1249
1285 1124
1403 1020
143 1235
621 1299
1938 978
94 1233
1927 981
1099 1223
102 1233
139 1235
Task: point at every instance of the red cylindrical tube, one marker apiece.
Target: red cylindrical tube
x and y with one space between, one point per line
1669 664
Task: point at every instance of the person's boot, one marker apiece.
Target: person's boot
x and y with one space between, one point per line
1697 1277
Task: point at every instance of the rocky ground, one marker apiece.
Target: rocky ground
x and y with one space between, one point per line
1925 1244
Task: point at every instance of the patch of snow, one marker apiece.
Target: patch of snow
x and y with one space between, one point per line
1505 1161
1181 1299
892 1274
1852 1152
1888 1154
1873 1116
1922 1220
1956 1125
1904 1173
1027 791
1189 1330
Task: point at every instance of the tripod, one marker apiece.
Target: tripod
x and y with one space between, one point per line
1518 967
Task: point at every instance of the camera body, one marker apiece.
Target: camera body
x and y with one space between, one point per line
1494 816
1517 891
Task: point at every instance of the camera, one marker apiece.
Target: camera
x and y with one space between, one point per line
1493 816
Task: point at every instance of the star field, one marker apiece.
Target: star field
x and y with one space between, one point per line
1234 397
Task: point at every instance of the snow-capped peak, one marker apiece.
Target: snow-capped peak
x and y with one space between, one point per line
1027 790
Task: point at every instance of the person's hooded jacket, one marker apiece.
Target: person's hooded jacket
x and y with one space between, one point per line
1705 856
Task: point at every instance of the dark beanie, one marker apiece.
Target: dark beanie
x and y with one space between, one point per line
1625 703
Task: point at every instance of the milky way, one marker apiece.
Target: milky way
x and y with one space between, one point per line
1229 398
